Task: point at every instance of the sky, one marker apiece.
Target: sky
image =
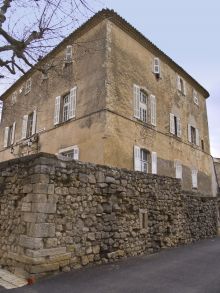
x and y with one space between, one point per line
188 32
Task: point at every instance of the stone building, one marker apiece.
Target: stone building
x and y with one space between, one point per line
107 95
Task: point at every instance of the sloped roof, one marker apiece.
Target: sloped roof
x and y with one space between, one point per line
128 28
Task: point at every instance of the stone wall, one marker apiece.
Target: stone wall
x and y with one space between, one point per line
57 215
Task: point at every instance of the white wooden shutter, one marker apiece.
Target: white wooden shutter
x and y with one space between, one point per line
69 54
137 158
13 133
153 110
179 131
154 162
57 110
156 65
189 133
178 83
194 178
136 90
6 137
72 107
24 127
172 124
184 88
33 130
197 137
76 153
178 170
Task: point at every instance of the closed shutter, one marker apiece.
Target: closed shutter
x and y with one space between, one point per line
69 54
153 109
184 88
179 130
33 130
189 133
178 170
172 124
154 162
197 137
72 105
137 158
136 90
13 133
156 65
24 127
194 178
76 153
6 137
57 110
178 83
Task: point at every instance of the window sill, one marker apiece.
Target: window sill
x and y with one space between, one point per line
64 122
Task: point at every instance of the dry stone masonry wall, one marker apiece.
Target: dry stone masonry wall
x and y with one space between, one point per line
57 215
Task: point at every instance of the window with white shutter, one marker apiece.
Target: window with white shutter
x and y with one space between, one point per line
69 54
71 152
154 162
157 66
197 137
153 110
195 97
72 104
6 134
13 133
137 158
175 125
24 126
178 167
136 93
195 178
33 129
193 135
28 86
57 110
181 85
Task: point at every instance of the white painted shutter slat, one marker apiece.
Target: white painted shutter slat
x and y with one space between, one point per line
178 170
189 133
154 162
13 133
57 110
136 93
76 153
179 130
172 125
137 158
24 127
153 107
72 107
33 130
197 137
6 137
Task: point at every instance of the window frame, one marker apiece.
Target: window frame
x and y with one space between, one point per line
28 86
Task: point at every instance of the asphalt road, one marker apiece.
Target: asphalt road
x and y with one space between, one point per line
189 269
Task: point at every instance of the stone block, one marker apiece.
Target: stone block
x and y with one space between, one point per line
46 252
41 230
40 178
31 242
40 188
51 242
92 179
27 188
44 268
47 208
52 198
34 217
26 207
83 178
50 189
100 177
39 198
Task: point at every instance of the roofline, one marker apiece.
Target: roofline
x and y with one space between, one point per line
123 24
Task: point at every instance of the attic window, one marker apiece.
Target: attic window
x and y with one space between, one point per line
69 54
156 68
28 86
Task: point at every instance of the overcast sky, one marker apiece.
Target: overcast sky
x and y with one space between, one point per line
189 32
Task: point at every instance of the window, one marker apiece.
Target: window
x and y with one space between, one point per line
71 152
195 97
194 178
29 125
65 107
156 68
28 86
181 86
143 219
178 167
13 98
193 135
69 54
145 161
202 144
141 100
175 125
9 135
